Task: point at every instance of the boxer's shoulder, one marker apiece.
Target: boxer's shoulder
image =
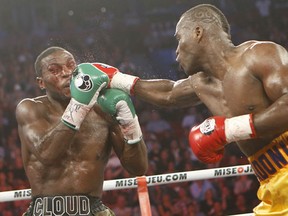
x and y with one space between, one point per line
34 101
30 106
259 49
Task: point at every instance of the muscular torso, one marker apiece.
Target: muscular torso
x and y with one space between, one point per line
80 169
249 78
240 92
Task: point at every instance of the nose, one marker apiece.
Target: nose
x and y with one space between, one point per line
177 53
66 71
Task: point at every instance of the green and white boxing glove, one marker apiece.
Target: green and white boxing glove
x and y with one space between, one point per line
85 86
118 104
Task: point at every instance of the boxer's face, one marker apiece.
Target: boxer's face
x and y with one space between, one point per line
188 36
57 69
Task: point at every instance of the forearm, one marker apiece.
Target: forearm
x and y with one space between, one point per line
272 120
157 92
160 92
54 143
134 158
166 93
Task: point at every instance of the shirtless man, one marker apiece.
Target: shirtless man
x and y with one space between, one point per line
244 86
67 139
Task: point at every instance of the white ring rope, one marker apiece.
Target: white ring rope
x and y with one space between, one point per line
151 180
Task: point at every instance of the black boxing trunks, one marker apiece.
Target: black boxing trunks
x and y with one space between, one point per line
72 205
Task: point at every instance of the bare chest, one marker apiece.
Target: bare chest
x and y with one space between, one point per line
235 95
92 139
91 142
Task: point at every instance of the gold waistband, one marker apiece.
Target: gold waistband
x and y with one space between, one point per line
273 157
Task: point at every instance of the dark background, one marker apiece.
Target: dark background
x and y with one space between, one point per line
137 37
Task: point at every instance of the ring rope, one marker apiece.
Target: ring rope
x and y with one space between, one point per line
152 180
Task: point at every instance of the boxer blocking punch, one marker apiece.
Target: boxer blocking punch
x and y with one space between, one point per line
85 86
66 138
233 82
118 104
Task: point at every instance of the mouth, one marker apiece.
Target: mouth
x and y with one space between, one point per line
180 67
66 90
66 85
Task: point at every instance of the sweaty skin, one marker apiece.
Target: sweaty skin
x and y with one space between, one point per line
59 160
230 80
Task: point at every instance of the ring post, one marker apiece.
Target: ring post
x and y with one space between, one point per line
143 196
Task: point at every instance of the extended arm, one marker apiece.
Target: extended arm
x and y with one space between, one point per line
167 93
160 92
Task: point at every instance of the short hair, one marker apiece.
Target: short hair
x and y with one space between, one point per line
207 13
45 53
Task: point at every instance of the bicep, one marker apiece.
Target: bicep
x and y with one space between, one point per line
272 70
273 119
183 93
276 84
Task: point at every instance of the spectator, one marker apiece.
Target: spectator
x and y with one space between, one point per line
182 201
207 205
242 184
106 43
190 119
166 207
121 207
194 209
157 124
241 205
199 188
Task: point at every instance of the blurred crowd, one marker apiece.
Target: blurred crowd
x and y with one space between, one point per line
137 37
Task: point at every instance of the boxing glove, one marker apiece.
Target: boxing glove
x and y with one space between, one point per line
85 86
117 79
208 139
118 104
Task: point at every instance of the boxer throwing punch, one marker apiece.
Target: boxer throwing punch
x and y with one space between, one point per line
67 137
244 86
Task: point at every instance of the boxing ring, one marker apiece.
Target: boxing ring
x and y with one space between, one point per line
143 182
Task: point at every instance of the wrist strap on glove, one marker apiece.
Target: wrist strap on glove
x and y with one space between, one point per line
239 128
132 131
124 82
74 114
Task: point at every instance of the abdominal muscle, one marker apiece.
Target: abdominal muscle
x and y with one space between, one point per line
84 177
232 99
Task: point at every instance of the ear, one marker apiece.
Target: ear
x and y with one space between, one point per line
198 33
40 82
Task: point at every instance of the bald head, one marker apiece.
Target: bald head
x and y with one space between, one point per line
208 15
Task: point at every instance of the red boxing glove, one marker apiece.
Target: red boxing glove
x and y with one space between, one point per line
118 80
208 139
